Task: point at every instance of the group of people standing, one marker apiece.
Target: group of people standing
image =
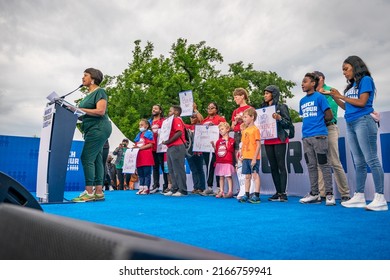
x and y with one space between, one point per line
320 133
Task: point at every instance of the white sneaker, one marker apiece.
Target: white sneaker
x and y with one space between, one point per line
168 193
330 201
357 201
378 204
140 190
313 199
110 188
154 190
178 194
208 192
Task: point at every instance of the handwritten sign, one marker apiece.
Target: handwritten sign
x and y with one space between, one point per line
130 161
266 123
161 148
203 135
186 102
165 130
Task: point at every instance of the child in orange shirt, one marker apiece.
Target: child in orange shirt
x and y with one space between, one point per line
250 156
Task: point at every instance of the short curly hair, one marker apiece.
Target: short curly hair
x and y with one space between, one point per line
96 75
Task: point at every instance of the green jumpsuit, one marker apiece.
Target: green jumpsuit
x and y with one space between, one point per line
96 131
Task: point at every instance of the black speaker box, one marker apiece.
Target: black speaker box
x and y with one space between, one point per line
29 234
11 191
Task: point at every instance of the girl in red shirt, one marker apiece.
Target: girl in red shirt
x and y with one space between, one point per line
144 141
224 168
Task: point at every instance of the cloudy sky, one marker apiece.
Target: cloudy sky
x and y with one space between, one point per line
46 45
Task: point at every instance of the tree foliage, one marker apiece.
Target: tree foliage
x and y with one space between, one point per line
151 80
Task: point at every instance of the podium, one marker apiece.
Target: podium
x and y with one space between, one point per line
59 123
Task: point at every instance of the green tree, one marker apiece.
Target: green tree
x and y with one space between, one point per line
150 80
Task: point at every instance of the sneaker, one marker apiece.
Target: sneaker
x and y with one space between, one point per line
254 199
275 197
207 192
283 197
99 197
330 201
311 199
110 188
166 190
168 193
378 204
140 190
345 198
84 197
357 201
243 199
178 194
154 190
196 191
145 191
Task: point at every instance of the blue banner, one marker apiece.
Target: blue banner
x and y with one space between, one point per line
19 160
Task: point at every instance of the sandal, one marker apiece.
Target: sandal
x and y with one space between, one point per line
219 195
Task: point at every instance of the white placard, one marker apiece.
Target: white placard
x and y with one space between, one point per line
130 161
266 123
161 148
186 103
165 130
203 135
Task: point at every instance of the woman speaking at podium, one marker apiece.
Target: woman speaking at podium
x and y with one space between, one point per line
96 129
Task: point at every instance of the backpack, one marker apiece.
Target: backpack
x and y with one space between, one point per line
189 143
291 129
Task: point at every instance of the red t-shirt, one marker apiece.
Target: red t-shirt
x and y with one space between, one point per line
224 151
216 120
177 125
239 112
190 127
155 126
145 157
274 141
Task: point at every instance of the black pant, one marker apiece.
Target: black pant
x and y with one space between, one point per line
277 159
210 169
159 163
121 178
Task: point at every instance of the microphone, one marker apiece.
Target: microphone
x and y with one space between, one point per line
62 97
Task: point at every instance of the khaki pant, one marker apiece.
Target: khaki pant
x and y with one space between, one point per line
334 160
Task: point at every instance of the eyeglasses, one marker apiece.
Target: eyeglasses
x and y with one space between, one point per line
211 108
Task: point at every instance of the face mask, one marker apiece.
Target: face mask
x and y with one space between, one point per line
142 129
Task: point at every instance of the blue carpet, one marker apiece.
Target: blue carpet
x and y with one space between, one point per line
269 230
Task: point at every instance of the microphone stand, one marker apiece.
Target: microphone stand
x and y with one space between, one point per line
63 97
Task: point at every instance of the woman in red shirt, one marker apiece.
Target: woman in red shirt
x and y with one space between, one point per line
212 119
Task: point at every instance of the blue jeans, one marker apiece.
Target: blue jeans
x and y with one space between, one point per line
362 137
145 175
196 165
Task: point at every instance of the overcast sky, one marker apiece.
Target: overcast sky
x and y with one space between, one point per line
46 45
